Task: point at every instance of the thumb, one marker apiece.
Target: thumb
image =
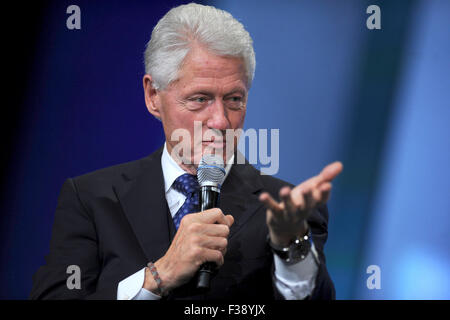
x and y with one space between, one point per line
230 219
331 171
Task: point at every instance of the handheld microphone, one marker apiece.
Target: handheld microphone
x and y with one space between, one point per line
210 175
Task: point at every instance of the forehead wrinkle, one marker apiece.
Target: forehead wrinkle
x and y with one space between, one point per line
212 79
207 68
214 73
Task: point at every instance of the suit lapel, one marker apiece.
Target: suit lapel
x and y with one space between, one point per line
239 195
143 200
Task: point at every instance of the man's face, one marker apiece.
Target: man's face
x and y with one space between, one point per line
211 90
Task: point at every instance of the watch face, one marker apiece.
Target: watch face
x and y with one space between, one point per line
299 251
296 252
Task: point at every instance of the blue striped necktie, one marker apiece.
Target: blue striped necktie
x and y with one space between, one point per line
188 185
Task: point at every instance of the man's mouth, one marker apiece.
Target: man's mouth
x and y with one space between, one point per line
219 143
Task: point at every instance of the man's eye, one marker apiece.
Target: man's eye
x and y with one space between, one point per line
199 99
235 102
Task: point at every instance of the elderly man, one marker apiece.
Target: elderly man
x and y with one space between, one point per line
133 229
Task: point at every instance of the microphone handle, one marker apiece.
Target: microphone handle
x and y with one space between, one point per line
209 198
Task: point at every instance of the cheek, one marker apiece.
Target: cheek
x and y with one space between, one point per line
237 119
172 117
181 121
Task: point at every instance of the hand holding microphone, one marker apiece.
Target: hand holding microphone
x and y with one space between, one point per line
201 239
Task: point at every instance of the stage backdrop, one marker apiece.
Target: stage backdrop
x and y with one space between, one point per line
375 99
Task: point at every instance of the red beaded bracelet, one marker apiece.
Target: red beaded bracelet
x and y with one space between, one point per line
154 272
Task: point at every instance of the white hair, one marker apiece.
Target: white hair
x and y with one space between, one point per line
185 25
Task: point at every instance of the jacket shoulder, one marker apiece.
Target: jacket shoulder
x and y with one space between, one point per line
98 181
111 173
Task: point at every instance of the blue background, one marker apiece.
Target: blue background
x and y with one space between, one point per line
378 100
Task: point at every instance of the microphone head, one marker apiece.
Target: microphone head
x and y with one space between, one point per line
211 171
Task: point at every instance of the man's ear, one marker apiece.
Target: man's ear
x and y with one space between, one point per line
152 98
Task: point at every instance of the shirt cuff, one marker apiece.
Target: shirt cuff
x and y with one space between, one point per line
131 288
296 281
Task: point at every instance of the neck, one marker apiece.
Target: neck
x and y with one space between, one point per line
189 168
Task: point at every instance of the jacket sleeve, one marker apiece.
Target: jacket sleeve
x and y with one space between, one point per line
324 287
318 222
73 248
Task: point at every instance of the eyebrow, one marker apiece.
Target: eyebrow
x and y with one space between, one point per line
209 93
236 90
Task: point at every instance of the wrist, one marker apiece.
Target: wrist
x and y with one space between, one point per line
149 282
156 279
284 239
164 274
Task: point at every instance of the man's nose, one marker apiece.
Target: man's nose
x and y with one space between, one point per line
218 116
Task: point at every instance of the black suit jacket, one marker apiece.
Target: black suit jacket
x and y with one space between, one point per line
113 221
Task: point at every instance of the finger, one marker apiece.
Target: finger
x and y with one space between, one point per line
297 198
215 230
331 171
312 183
213 215
298 192
230 219
215 243
317 194
326 175
270 203
309 200
285 196
325 190
211 255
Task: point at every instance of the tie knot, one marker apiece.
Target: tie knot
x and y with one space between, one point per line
186 184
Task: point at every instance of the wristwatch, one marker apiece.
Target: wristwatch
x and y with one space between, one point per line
296 251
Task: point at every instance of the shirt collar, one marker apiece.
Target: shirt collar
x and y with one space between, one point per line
171 169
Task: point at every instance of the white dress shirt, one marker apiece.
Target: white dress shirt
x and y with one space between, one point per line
294 282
